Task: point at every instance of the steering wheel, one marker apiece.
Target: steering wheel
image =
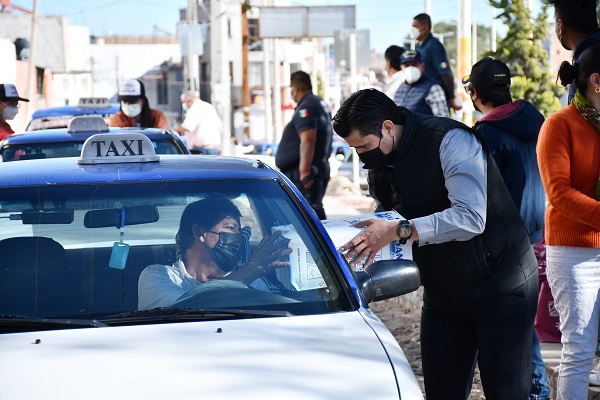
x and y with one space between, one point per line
227 294
210 286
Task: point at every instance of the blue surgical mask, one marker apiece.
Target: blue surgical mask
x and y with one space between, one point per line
184 106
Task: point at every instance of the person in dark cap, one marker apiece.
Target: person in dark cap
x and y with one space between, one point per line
9 107
135 110
419 93
211 245
511 129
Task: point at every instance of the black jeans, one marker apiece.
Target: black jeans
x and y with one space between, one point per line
497 335
315 194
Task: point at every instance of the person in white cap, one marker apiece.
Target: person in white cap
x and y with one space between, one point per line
135 110
9 107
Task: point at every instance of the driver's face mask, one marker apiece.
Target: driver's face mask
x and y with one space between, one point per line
231 248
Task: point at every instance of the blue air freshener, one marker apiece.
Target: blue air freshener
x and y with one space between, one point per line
118 257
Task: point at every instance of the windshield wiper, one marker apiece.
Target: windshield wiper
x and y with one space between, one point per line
21 323
165 314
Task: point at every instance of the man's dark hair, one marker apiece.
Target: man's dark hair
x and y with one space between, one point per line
364 111
423 19
206 213
494 95
577 15
588 64
392 54
302 80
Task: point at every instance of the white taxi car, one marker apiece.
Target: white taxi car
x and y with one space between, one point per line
77 232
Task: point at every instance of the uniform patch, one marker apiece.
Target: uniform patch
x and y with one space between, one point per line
444 65
303 113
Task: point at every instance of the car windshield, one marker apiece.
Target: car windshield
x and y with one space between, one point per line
29 151
59 121
62 254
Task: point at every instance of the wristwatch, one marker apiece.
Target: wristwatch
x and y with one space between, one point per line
404 231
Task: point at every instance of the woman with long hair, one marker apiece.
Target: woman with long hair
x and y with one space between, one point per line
135 110
569 160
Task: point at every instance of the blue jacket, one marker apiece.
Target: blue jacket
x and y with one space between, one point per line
511 132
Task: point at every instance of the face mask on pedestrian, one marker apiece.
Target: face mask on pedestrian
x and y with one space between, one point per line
292 95
412 74
131 110
10 112
374 159
414 32
184 106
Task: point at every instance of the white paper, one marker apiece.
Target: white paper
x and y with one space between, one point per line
304 273
341 231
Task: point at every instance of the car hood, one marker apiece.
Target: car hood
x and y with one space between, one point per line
334 356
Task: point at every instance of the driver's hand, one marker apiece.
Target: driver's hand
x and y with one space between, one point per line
271 252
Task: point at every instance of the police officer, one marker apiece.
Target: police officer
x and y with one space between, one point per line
305 145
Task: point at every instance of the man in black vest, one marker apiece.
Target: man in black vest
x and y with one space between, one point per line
478 269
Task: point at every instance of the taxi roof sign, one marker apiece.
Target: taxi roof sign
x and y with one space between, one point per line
93 102
87 123
117 148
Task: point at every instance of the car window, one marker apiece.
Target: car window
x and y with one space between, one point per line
57 248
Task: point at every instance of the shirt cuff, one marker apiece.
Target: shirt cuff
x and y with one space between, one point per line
425 230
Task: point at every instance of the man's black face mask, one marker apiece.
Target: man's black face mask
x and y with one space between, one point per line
374 159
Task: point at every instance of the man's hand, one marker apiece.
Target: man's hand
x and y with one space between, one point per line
456 104
377 234
269 252
307 181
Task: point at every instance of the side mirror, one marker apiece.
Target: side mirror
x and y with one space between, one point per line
385 279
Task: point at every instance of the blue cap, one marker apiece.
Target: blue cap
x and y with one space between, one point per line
410 56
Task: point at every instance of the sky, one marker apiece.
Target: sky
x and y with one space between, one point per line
387 20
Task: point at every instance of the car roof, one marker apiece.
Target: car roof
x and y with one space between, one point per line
60 171
74 111
62 135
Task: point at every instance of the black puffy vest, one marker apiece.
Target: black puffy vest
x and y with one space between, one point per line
456 274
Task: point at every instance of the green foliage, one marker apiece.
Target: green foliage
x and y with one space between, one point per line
523 51
320 87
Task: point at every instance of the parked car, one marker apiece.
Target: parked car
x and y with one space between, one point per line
68 142
59 117
75 234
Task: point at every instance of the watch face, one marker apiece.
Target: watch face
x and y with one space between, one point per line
404 230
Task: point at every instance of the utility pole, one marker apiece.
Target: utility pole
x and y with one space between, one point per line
428 7
191 64
493 46
32 73
219 74
464 63
245 85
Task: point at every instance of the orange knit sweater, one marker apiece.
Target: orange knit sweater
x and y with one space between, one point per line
569 159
